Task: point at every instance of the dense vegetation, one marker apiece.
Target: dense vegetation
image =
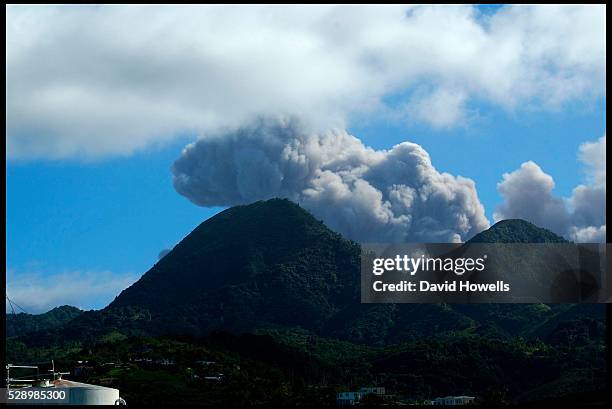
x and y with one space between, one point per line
248 267
295 366
290 286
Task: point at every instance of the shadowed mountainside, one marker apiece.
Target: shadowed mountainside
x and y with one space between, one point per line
271 265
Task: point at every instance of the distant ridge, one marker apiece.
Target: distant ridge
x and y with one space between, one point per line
22 323
516 231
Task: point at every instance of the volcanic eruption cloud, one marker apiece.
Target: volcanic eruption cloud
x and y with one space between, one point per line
528 194
393 195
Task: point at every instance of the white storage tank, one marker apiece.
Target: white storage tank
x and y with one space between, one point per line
76 393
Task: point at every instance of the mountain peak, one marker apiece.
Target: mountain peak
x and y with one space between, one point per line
249 264
516 231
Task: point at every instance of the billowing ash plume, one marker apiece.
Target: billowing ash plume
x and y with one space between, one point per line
367 195
528 195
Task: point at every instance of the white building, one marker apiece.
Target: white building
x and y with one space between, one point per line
453 400
353 398
375 390
348 398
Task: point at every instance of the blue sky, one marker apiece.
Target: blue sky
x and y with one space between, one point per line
112 211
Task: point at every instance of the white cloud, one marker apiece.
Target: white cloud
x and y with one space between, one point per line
37 292
593 156
443 108
589 234
528 195
367 195
104 80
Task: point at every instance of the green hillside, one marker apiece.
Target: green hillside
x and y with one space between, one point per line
275 274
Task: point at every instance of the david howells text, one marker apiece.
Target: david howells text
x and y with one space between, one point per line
453 286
